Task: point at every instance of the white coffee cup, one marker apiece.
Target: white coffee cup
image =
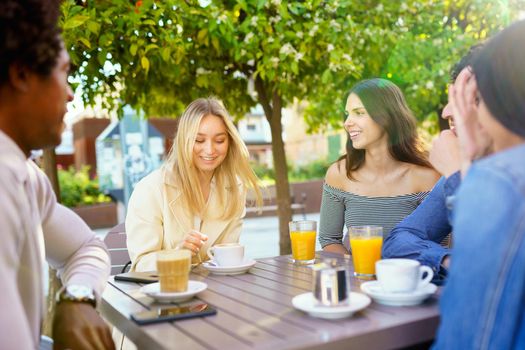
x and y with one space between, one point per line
402 275
227 254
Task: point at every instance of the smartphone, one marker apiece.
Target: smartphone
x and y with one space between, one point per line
173 313
138 277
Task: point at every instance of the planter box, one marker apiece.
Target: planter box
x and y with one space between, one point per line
98 215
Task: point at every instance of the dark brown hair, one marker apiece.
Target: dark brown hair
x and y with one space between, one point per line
386 105
29 35
500 75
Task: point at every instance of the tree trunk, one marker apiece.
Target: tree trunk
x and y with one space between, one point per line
282 185
273 113
50 168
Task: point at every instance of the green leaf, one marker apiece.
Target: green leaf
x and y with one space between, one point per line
179 54
133 49
216 44
165 53
327 76
75 21
202 80
149 22
104 40
151 47
144 63
295 67
202 34
85 42
93 27
101 57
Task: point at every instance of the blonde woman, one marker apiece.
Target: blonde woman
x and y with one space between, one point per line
197 199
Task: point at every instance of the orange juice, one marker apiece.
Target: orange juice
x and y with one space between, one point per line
365 252
303 245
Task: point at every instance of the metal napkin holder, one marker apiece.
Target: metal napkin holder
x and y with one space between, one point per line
331 283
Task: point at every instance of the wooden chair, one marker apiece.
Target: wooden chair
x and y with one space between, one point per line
270 202
447 241
118 252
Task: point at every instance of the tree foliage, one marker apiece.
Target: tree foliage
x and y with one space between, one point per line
159 55
156 55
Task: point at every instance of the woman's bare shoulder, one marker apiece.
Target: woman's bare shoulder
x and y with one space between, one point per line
424 178
336 174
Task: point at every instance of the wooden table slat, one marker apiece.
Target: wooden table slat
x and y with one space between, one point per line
285 312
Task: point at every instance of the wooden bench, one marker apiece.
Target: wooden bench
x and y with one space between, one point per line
270 203
115 241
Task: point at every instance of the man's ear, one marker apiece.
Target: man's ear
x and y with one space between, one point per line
19 77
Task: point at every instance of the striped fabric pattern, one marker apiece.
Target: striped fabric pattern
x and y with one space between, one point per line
341 209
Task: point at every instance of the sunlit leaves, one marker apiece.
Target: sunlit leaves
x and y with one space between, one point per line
173 51
74 21
145 63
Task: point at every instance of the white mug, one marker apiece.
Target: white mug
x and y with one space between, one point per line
227 254
402 275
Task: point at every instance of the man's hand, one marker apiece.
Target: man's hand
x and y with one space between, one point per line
79 326
445 155
463 97
193 241
446 262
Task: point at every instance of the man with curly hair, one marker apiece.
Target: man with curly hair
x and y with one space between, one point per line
34 67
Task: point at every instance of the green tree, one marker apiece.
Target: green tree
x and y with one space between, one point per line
158 56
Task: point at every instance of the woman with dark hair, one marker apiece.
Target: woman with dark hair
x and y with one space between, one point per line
484 301
385 173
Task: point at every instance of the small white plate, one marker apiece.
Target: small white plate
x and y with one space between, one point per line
229 270
416 297
307 303
153 290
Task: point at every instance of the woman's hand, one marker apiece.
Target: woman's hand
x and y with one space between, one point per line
193 241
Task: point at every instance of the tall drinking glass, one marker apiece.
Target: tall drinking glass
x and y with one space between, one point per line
302 236
366 243
173 267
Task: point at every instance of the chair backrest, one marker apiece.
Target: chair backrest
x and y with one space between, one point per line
118 252
447 241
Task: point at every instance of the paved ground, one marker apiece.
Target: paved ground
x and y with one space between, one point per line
260 236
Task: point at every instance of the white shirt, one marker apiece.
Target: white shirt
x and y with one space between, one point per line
34 227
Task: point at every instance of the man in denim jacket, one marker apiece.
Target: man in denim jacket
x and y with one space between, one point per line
483 303
419 235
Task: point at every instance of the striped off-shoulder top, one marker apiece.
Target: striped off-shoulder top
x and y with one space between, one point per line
340 209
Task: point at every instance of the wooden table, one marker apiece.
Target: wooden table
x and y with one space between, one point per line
255 312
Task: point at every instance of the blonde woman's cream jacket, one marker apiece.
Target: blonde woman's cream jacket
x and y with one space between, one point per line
155 220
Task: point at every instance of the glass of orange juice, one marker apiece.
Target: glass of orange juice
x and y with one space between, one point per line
302 236
366 243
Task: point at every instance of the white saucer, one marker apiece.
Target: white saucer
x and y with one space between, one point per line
153 290
307 303
416 297
229 270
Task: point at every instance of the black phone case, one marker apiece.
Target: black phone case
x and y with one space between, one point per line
169 318
137 277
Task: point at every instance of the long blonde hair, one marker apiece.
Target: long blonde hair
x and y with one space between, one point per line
234 168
